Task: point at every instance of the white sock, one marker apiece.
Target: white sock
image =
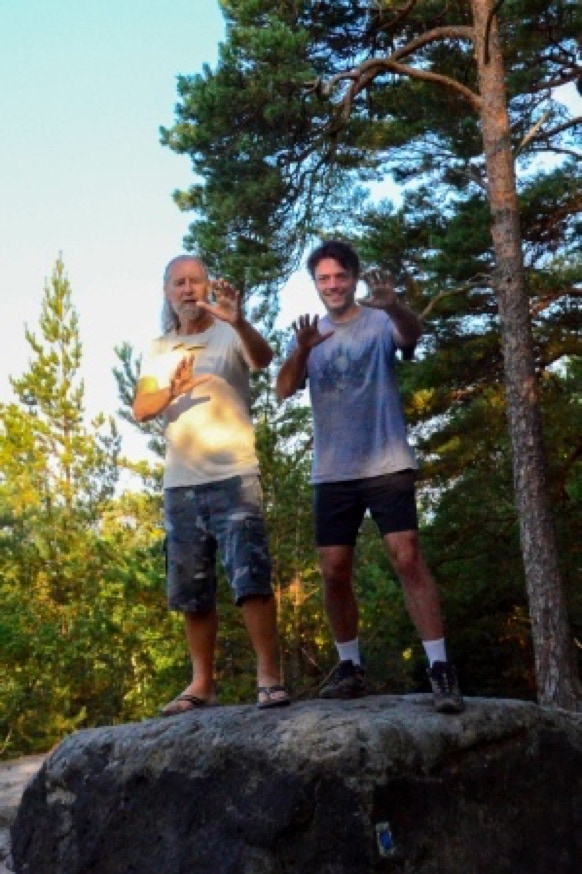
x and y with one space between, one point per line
349 651
435 650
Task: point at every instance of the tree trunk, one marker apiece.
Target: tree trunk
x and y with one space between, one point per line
556 673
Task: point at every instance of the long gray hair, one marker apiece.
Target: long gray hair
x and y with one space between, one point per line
169 320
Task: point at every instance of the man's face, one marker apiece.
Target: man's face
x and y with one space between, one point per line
187 283
336 286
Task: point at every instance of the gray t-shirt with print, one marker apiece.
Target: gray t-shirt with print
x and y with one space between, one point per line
359 426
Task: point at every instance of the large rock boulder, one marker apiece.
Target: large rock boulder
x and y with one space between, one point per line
382 784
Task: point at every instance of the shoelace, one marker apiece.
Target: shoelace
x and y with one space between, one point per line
444 681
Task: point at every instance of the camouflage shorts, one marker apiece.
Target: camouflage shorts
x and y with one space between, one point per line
225 517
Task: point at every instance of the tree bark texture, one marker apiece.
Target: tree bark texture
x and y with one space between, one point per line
557 679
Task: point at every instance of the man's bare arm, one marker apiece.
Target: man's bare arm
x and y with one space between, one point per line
228 308
407 324
258 351
150 400
292 375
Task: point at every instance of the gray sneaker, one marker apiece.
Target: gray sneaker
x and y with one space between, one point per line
445 688
345 681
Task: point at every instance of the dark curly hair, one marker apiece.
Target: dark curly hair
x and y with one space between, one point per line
341 252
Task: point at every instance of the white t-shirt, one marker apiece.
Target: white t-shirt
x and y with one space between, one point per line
209 434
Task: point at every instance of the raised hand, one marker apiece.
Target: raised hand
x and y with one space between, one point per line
228 303
307 333
381 289
183 379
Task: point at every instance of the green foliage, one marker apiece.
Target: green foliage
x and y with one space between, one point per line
284 440
85 636
281 138
337 129
126 376
455 401
57 476
81 567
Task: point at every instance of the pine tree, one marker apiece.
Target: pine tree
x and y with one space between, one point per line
57 476
355 88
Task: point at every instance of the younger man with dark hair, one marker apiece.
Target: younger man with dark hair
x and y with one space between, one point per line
362 459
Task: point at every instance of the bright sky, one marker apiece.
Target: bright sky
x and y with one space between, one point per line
86 87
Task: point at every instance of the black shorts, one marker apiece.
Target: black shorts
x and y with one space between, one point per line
339 507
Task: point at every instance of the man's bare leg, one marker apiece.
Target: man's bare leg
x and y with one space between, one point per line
423 603
346 680
201 631
340 602
418 584
260 617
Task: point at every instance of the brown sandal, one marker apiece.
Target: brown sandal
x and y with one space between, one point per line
191 702
272 696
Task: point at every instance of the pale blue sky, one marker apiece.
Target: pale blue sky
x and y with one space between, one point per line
85 88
